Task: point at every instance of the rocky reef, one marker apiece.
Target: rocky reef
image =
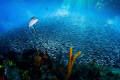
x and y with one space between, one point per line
36 65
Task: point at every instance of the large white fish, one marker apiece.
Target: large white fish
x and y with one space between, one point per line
32 21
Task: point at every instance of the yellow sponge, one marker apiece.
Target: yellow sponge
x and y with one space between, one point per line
71 62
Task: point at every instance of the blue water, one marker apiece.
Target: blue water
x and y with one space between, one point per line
89 26
14 13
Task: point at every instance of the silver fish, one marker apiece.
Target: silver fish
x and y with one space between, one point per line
32 21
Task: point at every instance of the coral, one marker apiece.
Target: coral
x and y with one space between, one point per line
25 75
45 56
10 63
61 69
92 71
38 60
12 73
71 62
2 70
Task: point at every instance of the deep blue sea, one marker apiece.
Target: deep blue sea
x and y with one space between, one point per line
89 26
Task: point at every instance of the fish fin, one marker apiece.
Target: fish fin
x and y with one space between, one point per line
34 29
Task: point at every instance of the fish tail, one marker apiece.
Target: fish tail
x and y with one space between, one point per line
34 29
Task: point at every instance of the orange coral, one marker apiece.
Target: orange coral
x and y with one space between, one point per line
61 69
45 56
38 60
